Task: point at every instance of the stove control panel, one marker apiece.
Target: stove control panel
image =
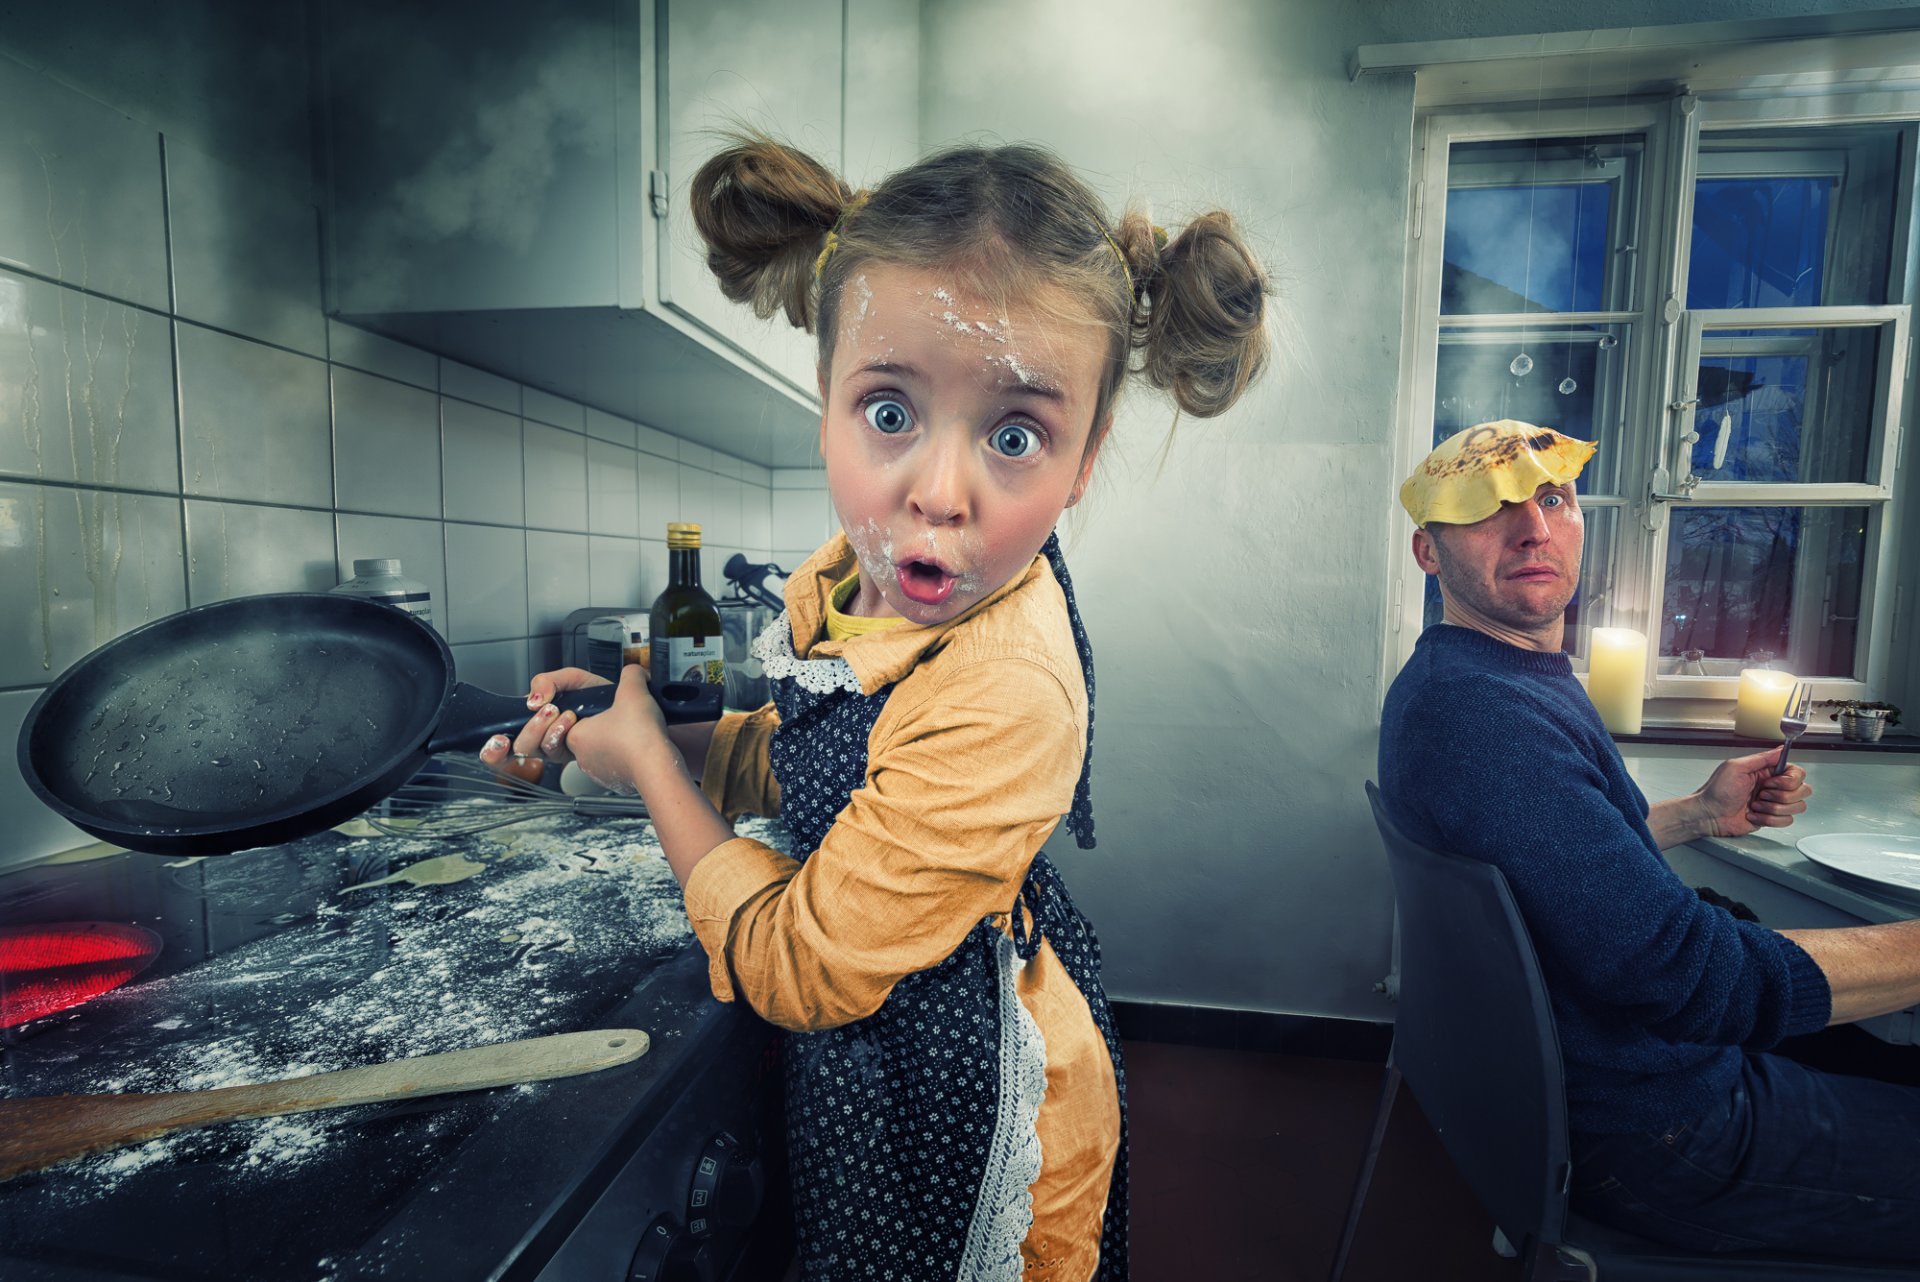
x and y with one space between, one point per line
668 1253
726 1189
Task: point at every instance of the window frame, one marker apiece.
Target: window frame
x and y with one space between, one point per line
1663 342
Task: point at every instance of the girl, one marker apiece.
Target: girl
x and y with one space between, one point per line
955 1097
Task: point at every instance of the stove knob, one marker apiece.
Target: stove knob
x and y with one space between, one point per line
726 1190
667 1254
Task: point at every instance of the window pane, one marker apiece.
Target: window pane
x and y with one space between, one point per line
1787 405
1592 605
1573 380
1793 217
1779 581
1539 226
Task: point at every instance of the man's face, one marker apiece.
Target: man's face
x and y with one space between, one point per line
1517 569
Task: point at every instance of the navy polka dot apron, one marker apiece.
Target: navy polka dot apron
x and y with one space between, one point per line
910 1132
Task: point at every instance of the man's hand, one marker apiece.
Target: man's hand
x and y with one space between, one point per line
1743 795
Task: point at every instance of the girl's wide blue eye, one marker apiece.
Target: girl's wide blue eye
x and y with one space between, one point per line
888 416
1016 440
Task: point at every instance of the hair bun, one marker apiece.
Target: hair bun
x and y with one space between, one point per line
1201 327
764 210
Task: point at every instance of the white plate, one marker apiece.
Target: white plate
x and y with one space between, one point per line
1884 859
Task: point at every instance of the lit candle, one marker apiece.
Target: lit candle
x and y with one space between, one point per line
1617 677
1763 697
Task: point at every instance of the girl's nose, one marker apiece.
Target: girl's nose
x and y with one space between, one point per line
939 490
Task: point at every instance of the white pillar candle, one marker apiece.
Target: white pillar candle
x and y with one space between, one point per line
1617 677
1763 697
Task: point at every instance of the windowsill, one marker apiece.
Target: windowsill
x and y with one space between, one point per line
1894 741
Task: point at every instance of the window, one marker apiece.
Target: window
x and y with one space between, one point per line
1715 290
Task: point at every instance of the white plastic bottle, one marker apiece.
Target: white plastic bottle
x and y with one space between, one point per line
379 579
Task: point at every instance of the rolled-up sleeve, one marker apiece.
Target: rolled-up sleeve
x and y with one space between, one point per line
959 797
738 776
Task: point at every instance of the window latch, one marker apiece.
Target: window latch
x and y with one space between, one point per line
1687 485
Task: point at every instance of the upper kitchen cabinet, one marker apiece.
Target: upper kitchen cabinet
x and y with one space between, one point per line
507 185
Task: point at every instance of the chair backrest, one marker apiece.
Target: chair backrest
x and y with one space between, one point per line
1474 1034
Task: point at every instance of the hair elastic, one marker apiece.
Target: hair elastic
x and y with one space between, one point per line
853 206
1159 243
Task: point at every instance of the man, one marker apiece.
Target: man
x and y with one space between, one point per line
1685 1129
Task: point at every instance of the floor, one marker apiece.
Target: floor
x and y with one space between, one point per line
1244 1163
1243 1167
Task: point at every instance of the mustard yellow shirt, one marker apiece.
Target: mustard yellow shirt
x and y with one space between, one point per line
972 762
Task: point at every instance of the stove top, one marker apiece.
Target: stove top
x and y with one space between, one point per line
312 956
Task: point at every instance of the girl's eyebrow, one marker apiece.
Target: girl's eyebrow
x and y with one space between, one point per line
1017 386
898 369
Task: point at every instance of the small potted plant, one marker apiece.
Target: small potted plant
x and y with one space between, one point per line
1861 720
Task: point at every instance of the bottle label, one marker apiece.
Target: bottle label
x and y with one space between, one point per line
418 604
689 659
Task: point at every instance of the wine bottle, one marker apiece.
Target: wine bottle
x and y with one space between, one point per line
684 645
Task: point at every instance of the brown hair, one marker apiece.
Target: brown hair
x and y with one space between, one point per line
1007 218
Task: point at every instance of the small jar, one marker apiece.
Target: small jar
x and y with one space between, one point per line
379 579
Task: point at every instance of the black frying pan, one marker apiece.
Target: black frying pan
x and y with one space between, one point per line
264 719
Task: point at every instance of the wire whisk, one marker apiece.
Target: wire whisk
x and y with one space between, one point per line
456 796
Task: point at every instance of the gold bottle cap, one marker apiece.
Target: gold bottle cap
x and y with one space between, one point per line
683 534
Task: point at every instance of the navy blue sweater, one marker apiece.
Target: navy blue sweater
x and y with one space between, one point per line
1495 752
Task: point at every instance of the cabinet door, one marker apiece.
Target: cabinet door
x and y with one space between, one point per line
725 64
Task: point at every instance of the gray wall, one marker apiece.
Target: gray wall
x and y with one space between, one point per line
1236 593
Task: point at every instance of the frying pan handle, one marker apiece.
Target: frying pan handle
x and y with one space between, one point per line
472 715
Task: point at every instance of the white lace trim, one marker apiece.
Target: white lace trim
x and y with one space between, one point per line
774 648
1003 1216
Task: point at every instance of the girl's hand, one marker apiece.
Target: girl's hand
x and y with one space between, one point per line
610 747
545 734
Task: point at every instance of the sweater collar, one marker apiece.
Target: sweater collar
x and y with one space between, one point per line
1486 649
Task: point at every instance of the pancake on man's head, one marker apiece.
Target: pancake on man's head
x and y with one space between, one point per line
1471 473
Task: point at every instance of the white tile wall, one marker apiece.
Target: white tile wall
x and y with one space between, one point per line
557 580
545 407
611 427
500 666
253 419
419 546
58 349
246 257
77 568
556 478
486 582
614 572
239 549
386 445
31 827
482 464
613 489
478 386
80 191
307 442
363 349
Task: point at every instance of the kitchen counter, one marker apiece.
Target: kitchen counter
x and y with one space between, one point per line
289 960
1766 870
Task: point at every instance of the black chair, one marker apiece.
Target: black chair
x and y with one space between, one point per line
1475 1041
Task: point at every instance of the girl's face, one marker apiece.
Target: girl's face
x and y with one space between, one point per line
954 435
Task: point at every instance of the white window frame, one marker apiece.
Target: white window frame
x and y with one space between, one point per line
1663 343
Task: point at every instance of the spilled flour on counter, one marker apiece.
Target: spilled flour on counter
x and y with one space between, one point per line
549 929
441 870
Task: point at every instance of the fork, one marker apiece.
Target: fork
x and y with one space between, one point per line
1793 721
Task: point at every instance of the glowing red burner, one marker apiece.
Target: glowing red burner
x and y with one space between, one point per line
47 968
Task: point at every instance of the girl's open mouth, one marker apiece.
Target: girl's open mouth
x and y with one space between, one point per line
925 582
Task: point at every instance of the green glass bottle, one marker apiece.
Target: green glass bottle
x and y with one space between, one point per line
684 640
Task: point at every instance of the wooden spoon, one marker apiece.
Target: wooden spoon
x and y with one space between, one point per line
42 1130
